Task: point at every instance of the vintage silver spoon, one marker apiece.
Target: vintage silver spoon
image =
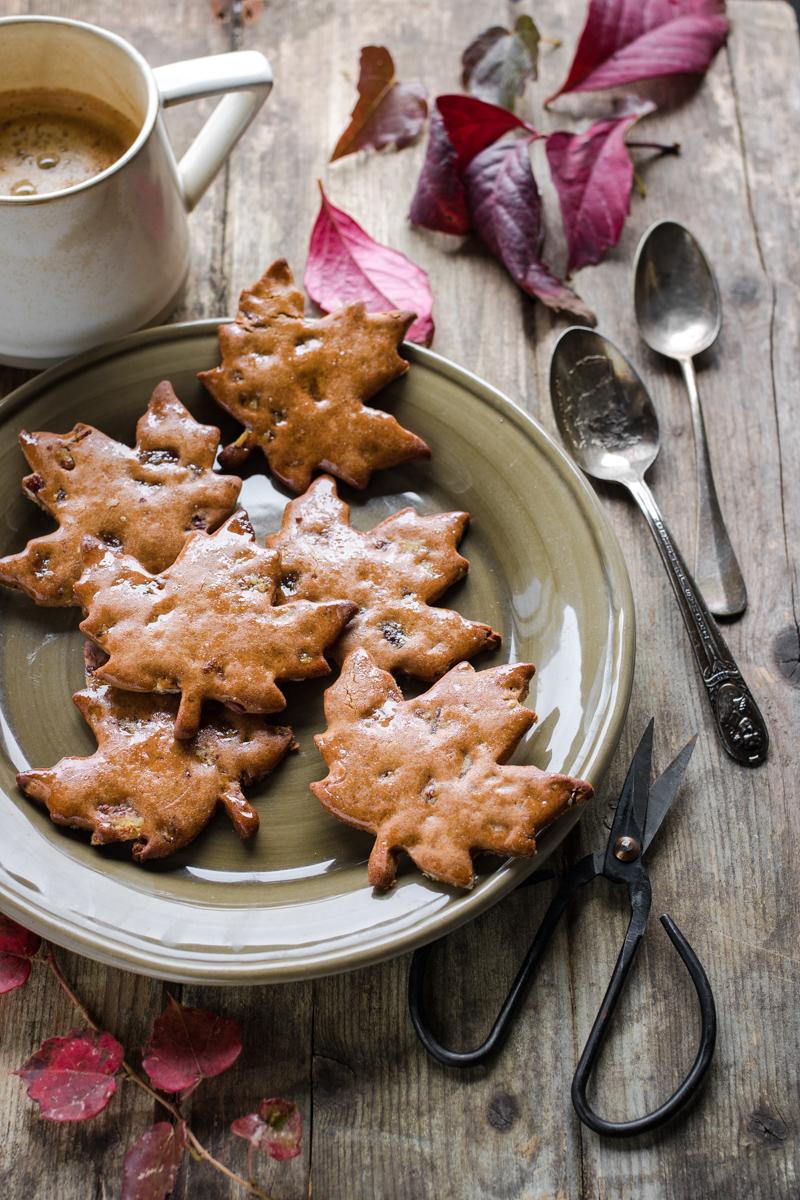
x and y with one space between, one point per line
679 313
608 423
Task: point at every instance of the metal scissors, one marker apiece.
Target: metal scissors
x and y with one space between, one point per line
639 815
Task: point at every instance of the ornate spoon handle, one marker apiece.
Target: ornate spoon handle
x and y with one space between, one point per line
716 569
738 718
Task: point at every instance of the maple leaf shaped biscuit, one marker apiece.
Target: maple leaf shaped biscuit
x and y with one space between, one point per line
298 384
142 500
143 786
207 627
393 573
426 776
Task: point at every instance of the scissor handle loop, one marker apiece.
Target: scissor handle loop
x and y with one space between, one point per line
705 1052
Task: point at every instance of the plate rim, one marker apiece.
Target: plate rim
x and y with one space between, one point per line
66 932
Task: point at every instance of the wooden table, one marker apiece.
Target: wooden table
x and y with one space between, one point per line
381 1121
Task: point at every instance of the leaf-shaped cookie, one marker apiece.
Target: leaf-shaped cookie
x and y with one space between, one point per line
207 627
142 500
393 573
143 786
298 385
427 775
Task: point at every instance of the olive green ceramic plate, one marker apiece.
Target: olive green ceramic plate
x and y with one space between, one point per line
545 570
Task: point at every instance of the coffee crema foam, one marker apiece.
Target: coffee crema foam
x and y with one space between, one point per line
54 138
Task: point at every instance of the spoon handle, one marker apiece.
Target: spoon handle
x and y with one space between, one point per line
738 718
717 570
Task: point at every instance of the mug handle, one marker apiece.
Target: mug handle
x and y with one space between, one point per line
247 76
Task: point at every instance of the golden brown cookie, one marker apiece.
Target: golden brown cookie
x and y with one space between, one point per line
141 501
298 385
143 786
207 627
393 573
426 775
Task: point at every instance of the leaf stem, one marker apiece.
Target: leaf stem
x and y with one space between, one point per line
661 147
133 1075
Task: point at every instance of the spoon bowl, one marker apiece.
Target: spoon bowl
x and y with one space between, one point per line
604 413
675 293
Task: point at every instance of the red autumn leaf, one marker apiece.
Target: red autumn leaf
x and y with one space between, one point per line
71 1078
274 1130
499 62
187 1045
626 40
593 174
152 1163
472 125
506 211
345 265
388 113
17 947
440 202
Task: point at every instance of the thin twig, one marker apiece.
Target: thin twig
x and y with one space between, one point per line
133 1075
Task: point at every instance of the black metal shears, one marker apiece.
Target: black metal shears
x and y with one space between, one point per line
639 815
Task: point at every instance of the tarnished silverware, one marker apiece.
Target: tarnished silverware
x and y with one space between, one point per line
679 314
608 423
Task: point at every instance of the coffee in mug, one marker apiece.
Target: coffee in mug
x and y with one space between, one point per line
54 138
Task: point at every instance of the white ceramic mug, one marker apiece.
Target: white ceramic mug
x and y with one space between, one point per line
91 262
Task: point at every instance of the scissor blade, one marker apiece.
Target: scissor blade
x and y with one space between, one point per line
664 790
631 815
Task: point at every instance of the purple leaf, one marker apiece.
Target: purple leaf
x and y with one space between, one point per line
506 211
274 1130
151 1165
72 1078
593 174
345 265
626 40
189 1044
499 62
440 202
388 113
17 947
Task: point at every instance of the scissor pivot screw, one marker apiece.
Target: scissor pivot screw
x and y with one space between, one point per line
626 849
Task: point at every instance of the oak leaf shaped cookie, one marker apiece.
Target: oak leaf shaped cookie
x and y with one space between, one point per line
207 627
141 500
393 573
426 775
143 786
298 385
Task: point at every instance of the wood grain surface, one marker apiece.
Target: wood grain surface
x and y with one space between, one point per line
381 1120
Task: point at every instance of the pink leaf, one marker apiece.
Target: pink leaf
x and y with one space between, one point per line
72 1078
17 947
626 40
152 1163
440 202
189 1044
472 125
593 175
388 113
275 1129
345 265
507 212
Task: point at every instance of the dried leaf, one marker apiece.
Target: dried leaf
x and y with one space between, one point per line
151 1165
388 113
440 202
593 174
499 62
189 1044
71 1078
346 265
626 40
274 1130
506 211
17 947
